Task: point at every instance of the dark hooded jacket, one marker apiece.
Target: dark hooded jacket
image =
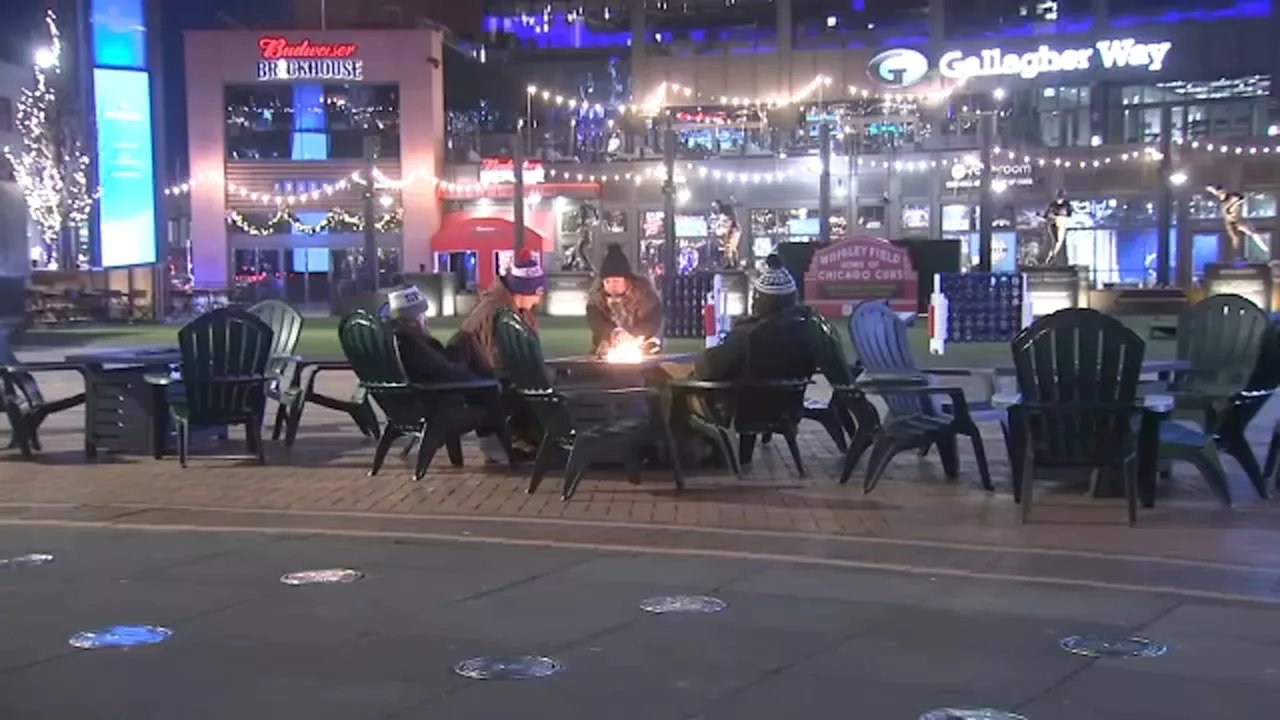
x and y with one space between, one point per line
637 311
773 343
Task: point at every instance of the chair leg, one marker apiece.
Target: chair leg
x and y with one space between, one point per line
858 447
831 423
766 438
726 449
631 463
1130 472
282 416
746 448
1028 476
881 453
1209 465
980 456
1238 448
384 447
253 438
546 451
292 421
789 434
431 444
924 451
1273 454
949 454
574 469
184 442
454 447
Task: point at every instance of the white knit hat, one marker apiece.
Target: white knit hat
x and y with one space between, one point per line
774 279
407 302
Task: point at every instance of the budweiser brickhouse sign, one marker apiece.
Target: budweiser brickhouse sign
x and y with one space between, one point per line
286 60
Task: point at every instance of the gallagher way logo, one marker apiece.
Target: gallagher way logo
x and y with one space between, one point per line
898 68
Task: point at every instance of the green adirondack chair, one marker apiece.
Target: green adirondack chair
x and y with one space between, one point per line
607 439
768 398
286 325
914 421
1078 374
1221 339
24 403
434 415
226 355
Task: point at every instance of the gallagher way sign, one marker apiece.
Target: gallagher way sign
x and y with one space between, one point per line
1105 54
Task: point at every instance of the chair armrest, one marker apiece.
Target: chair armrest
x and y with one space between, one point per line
316 366
688 384
453 387
948 372
610 392
53 366
160 379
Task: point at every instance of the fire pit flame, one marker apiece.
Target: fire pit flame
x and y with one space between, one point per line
630 351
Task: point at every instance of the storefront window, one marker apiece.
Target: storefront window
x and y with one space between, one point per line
310 121
959 218
871 217
1260 205
915 217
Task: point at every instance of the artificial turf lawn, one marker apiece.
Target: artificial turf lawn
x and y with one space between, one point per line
560 337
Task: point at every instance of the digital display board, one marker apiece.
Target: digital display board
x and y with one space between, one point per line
119 34
126 167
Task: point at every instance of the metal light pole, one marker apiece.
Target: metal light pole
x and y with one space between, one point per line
669 253
986 200
517 189
369 213
1164 196
824 183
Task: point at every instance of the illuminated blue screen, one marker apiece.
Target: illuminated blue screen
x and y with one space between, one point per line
126 169
119 34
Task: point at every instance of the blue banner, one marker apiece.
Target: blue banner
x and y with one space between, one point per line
119 34
126 167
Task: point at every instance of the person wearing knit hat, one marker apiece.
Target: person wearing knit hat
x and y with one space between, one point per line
776 321
774 289
519 290
621 305
407 302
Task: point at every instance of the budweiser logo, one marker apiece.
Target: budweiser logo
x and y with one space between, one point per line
277 48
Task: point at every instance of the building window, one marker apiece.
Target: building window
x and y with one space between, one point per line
1064 116
311 121
1223 108
871 217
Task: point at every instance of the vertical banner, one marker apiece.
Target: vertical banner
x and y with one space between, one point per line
126 169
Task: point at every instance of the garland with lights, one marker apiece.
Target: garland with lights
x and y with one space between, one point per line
337 220
52 168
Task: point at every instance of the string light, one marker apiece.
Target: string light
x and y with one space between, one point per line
52 169
380 180
337 219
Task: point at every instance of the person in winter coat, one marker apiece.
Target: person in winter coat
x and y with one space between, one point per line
519 290
622 306
776 310
425 360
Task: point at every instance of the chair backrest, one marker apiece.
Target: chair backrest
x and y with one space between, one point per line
26 389
284 321
369 344
880 341
832 362
521 352
221 345
1078 373
1221 338
522 362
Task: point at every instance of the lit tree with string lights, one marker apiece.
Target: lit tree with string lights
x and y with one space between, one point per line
51 168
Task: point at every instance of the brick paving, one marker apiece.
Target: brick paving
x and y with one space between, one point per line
325 473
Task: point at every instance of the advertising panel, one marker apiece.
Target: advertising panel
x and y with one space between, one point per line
848 272
126 170
119 34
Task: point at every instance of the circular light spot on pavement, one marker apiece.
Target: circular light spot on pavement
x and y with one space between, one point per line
683 604
333 576
970 714
508 667
28 560
120 636
1103 647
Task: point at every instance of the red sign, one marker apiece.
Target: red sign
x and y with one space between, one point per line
848 272
277 48
495 171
